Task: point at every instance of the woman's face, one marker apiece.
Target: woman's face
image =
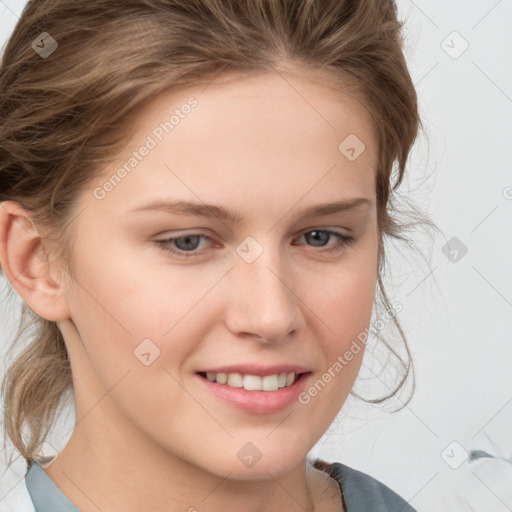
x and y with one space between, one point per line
254 280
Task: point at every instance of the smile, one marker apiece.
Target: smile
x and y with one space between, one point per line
253 382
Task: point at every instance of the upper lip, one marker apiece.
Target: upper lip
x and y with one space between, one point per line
256 369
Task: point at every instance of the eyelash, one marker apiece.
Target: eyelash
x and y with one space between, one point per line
343 241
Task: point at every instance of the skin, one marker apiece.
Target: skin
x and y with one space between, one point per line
149 436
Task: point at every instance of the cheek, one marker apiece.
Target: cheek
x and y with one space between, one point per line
342 315
131 297
348 316
128 313
346 298
344 305
122 325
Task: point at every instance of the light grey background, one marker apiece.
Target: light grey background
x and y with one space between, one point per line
457 314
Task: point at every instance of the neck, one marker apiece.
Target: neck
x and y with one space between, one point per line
113 468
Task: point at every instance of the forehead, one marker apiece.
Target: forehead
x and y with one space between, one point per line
275 133
257 113
320 99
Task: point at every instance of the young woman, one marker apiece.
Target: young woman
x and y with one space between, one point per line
195 198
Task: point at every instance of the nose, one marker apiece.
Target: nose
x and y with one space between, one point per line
263 303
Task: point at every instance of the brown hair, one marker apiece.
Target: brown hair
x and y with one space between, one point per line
64 115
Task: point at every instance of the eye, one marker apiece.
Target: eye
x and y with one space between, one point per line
186 246
320 236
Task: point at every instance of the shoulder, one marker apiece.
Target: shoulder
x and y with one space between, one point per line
362 492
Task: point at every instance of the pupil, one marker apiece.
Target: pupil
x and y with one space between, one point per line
323 235
186 246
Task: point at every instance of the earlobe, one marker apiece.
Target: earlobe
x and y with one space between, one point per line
25 263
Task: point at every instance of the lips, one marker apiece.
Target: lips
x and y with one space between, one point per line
255 401
254 377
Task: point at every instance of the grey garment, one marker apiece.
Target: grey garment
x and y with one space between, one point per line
45 495
361 492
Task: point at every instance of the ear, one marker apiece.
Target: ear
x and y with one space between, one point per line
25 263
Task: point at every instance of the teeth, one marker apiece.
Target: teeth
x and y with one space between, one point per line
235 380
253 382
269 382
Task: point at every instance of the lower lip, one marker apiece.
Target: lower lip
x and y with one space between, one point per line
257 402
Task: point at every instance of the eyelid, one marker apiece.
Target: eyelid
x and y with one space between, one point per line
197 232
206 232
343 240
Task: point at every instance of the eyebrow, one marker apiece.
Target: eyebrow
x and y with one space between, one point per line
221 213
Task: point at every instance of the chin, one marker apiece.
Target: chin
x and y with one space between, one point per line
249 463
